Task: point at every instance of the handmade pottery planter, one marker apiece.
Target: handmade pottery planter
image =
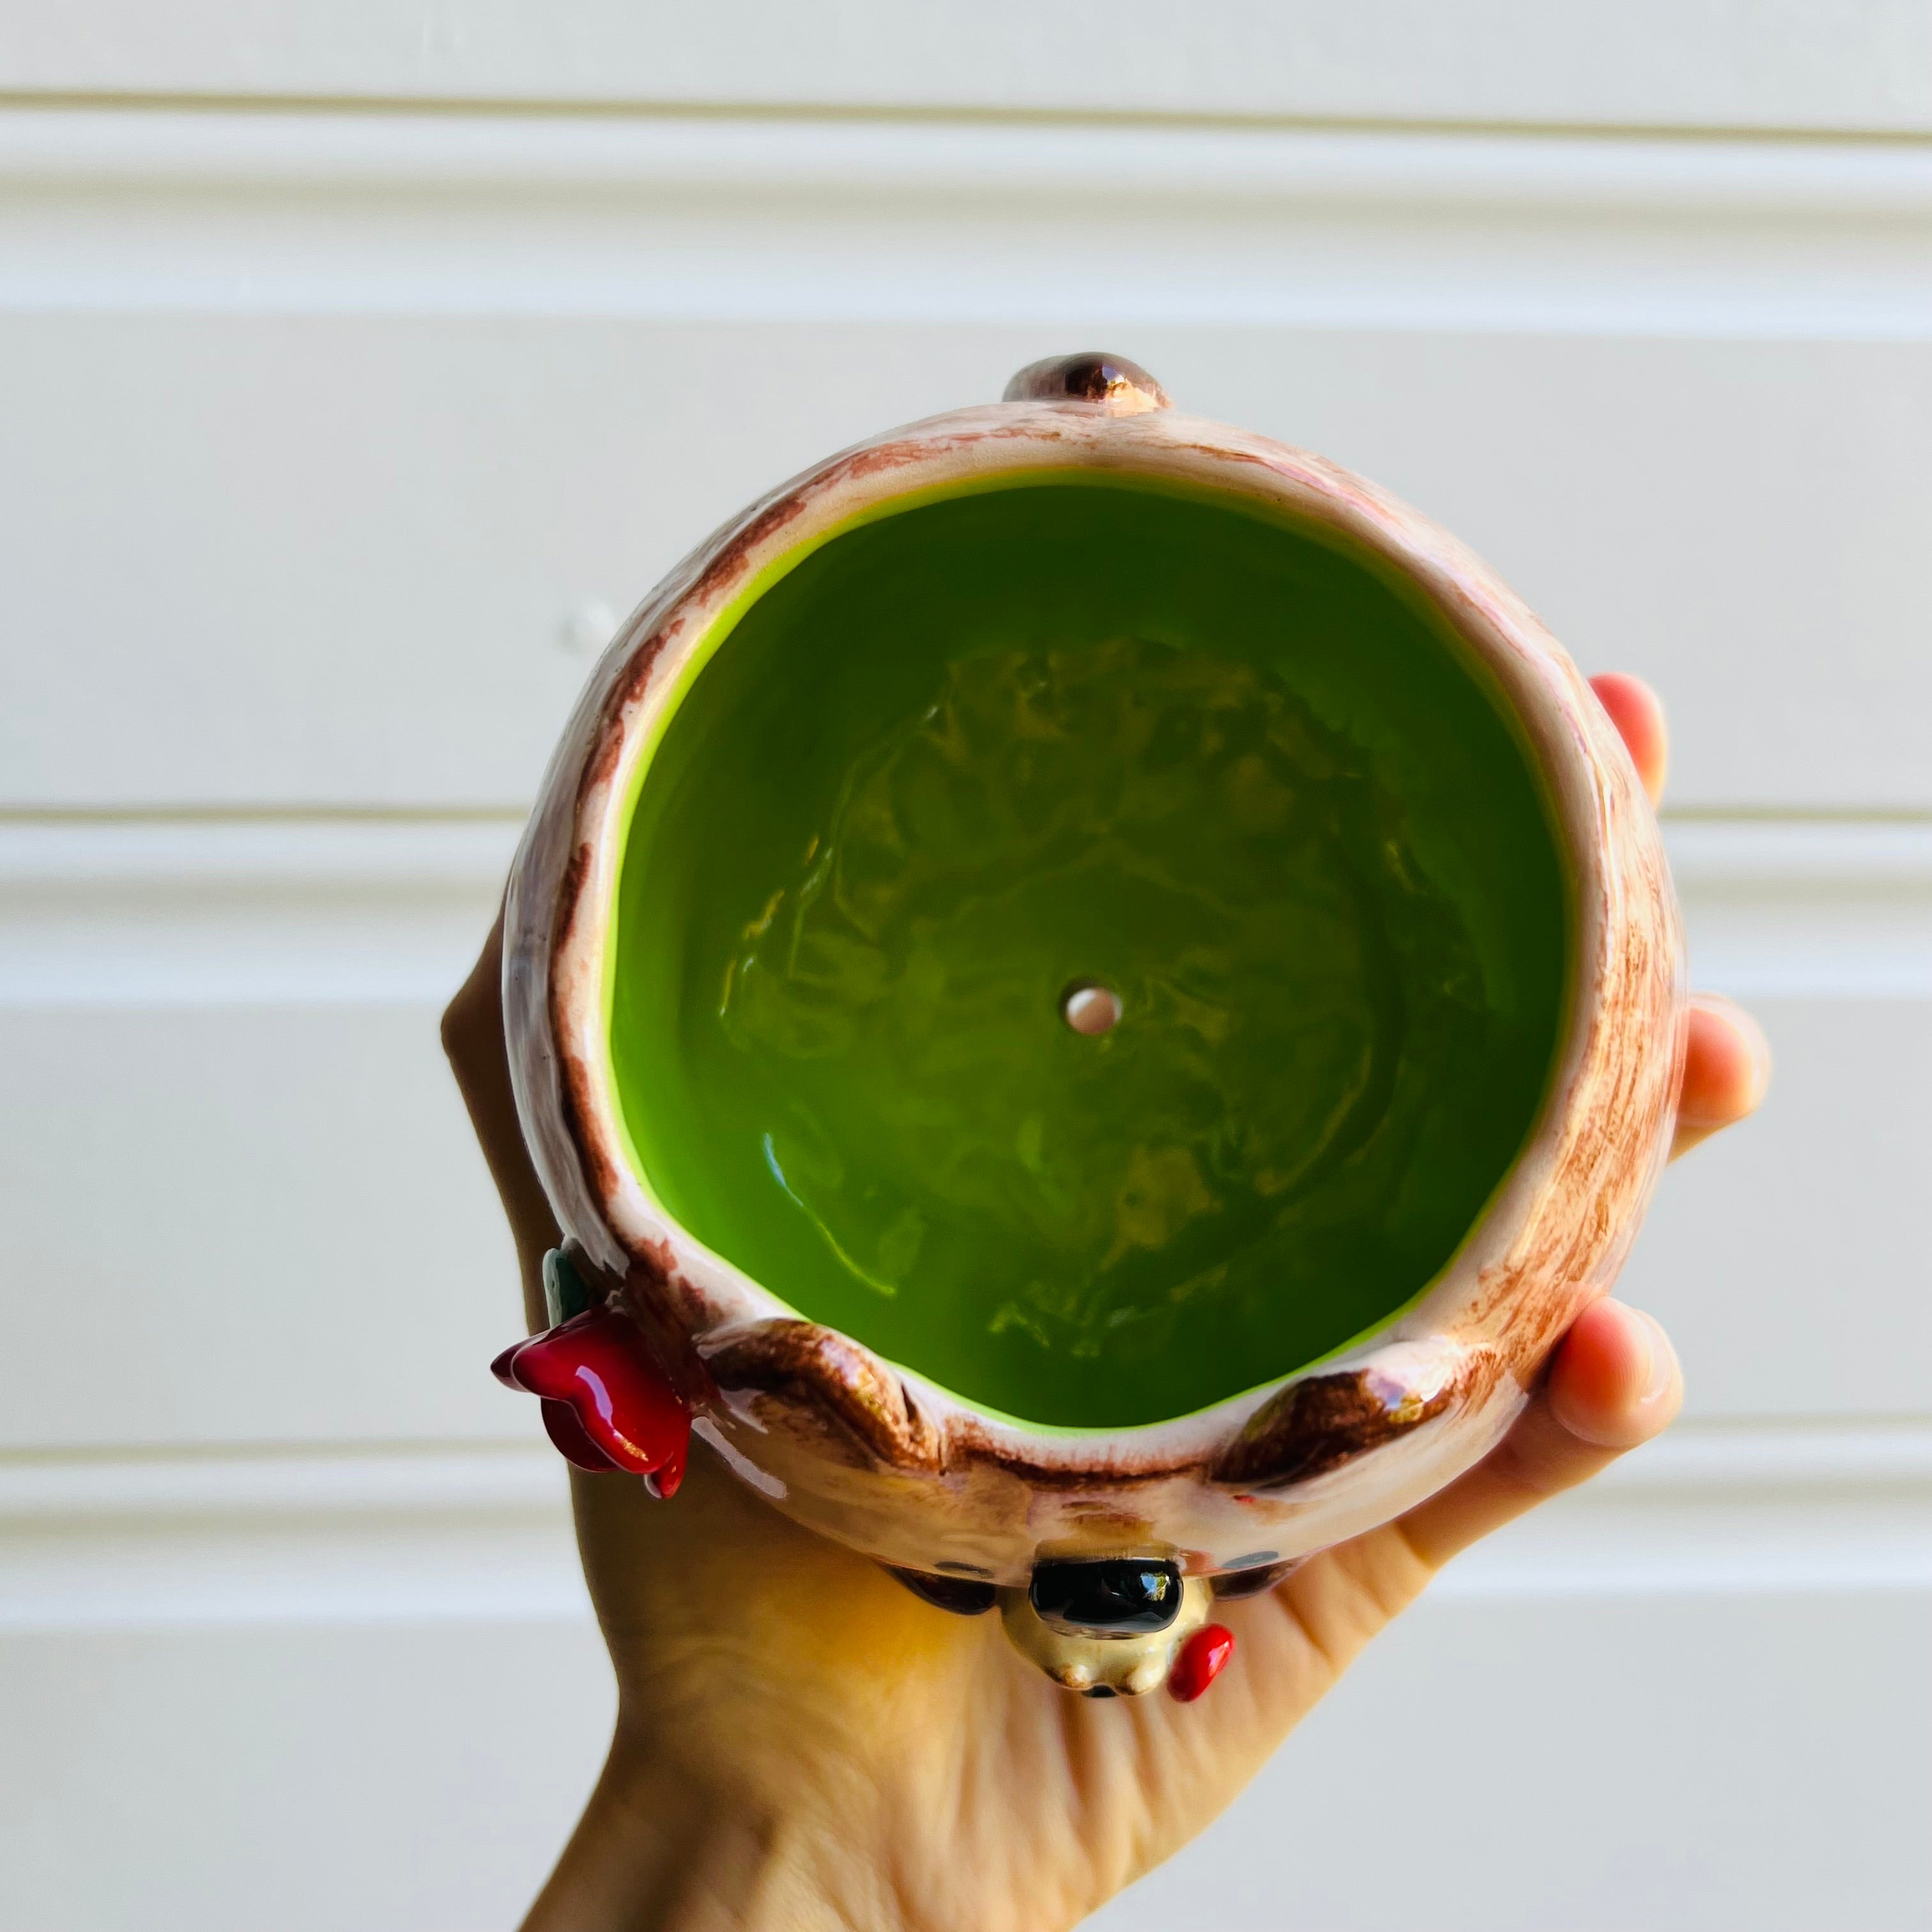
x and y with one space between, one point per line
1091 994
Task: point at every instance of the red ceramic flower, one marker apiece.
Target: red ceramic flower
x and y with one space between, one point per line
606 1405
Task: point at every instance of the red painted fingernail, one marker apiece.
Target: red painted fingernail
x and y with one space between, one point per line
596 1367
1202 1659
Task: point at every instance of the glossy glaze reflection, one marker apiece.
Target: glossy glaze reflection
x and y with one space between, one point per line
963 758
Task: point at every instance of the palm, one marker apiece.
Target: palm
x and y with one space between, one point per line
801 1740
768 1662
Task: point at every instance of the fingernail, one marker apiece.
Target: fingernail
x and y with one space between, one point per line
1744 1023
1660 1370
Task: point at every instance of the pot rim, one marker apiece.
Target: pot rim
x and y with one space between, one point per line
563 886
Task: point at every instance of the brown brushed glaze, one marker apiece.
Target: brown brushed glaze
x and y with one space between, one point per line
875 1455
850 1385
1321 1422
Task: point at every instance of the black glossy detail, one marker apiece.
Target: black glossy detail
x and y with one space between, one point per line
1101 1690
963 1596
964 1569
1120 1597
1254 1558
1252 1583
565 1294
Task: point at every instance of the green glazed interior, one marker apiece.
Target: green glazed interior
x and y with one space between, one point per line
1086 726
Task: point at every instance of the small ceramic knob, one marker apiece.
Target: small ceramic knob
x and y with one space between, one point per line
1120 387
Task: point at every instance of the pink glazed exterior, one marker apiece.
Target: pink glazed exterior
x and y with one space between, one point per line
870 1453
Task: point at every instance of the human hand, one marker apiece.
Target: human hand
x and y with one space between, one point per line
801 1742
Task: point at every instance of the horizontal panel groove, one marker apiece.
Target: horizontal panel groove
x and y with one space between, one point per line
699 217
884 158
1740 1457
1858 63
1792 909
1831 854
134 912
497 1478
513 1477
1742 1510
130 1542
1070 117
80 857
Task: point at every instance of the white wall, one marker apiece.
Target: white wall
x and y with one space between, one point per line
343 403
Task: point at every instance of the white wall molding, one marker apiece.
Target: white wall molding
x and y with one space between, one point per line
134 1542
683 217
1783 910
363 361
105 1489
329 426
887 160
180 912
1719 1511
1805 63
513 1477
476 1535
134 912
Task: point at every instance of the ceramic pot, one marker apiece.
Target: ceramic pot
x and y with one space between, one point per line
1361 644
